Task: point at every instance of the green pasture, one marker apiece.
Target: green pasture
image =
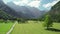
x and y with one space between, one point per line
33 27
5 27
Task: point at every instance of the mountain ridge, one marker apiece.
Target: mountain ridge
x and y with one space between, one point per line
30 11
55 12
20 11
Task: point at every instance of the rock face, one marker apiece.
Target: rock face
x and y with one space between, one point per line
55 12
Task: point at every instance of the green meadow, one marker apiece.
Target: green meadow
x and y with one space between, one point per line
33 27
5 27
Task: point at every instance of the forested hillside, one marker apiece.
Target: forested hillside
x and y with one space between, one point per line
7 12
55 12
4 15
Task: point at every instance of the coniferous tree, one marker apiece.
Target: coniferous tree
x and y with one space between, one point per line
48 21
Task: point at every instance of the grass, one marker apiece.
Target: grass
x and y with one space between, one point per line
4 27
34 28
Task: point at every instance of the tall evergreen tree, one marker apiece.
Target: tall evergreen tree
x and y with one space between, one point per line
48 21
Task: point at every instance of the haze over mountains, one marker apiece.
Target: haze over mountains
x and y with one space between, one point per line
21 11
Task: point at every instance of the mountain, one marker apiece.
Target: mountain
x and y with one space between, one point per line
7 10
10 10
26 11
21 10
4 15
55 12
36 12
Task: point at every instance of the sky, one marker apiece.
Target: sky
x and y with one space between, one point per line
40 4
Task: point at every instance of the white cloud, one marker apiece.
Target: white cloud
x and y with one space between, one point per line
17 3
22 2
34 3
5 1
49 5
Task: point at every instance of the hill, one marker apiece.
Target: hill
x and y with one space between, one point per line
55 12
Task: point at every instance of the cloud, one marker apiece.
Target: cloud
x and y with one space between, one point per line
34 3
49 5
5 1
21 2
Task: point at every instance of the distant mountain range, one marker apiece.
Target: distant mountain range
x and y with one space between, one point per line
21 11
26 11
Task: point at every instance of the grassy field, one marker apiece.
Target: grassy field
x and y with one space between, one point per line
34 28
4 27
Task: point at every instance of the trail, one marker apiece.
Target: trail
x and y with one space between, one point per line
11 28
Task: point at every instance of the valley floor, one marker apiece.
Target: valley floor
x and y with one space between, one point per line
35 28
4 27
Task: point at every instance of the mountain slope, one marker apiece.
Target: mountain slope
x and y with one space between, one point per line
7 9
26 11
4 15
55 12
